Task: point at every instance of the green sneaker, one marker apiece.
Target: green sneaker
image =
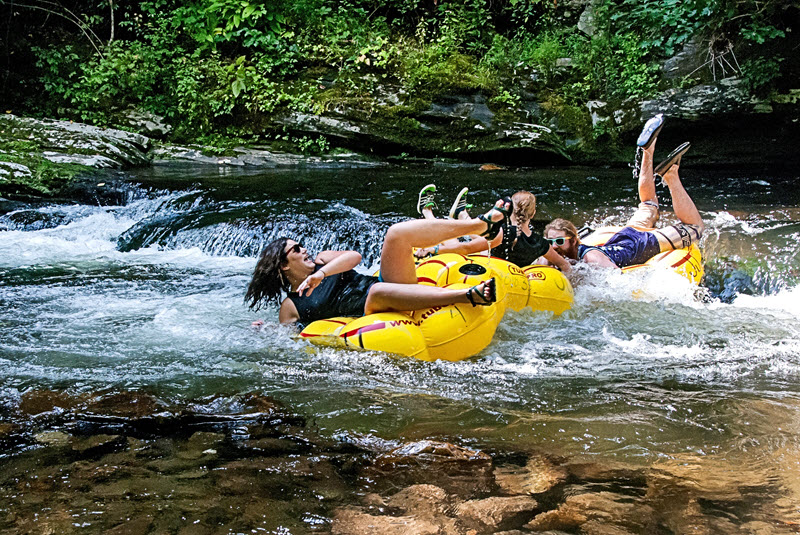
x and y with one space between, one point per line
460 204
427 196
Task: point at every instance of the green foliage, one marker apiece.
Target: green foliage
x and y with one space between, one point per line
255 24
434 70
663 25
618 67
524 13
213 66
760 73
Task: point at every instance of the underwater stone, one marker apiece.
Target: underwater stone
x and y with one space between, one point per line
537 476
354 522
53 438
98 445
602 472
492 514
420 500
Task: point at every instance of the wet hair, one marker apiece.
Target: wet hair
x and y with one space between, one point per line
268 280
524 206
564 226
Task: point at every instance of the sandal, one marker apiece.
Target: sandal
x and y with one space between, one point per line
460 204
650 131
674 158
493 228
426 198
484 302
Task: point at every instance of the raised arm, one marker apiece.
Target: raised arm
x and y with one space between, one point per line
332 262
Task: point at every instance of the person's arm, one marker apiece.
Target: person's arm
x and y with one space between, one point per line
476 245
598 258
555 259
287 314
332 262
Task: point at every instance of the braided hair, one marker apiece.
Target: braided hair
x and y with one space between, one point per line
268 280
524 206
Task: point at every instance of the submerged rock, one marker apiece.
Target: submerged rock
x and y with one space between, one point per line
355 522
537 476
457 470
611 510
492 514
421 500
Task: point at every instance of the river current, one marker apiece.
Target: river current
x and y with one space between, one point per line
139 286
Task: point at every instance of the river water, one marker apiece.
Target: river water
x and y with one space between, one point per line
139 286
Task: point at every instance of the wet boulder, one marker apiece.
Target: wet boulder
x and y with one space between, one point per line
69 142
144 122
458 470
463 126
36 402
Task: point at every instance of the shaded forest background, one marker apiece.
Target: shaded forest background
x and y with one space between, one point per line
218 70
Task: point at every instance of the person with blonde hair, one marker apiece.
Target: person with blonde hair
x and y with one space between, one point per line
639 240
516 243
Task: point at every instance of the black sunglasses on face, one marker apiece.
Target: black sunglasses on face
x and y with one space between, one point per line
294 248
558 241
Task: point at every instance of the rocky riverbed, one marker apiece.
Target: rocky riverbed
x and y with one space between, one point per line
128 462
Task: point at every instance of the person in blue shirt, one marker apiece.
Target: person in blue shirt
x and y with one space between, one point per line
639 240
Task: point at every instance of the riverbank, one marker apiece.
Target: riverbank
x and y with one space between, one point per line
514 84
45 157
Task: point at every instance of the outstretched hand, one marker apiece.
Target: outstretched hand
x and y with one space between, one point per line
311 282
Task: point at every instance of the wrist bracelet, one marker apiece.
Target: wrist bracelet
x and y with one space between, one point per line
323 273
436 250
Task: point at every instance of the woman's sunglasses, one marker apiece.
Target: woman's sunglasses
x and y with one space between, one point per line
294 248
558 241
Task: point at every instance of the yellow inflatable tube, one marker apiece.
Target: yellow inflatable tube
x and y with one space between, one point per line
687 262
454 332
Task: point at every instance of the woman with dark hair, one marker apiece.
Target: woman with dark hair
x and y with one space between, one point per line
516 242
327 286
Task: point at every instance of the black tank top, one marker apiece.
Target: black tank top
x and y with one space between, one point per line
343 294
527 248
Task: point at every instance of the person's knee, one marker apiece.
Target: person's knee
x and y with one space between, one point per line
398 231
374 300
